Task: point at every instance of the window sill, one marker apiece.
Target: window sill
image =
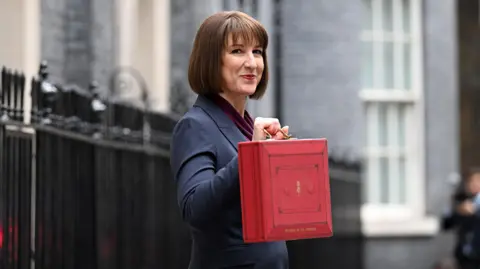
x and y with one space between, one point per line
423 227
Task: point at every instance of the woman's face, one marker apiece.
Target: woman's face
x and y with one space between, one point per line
242 67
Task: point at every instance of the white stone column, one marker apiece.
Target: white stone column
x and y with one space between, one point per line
20 46
31 41
160 84
144 44
126 17
12 52
127 22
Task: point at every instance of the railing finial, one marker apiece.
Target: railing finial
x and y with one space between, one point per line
43 70
98 107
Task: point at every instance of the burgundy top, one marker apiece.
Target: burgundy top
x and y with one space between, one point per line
244 124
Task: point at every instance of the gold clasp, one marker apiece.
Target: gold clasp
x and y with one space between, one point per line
285 135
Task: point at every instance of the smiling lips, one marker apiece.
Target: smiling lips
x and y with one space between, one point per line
248 77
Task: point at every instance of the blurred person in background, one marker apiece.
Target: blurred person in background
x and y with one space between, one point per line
464 218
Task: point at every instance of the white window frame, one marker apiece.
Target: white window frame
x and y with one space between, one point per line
409 218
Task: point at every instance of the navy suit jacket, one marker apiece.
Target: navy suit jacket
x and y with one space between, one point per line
204 163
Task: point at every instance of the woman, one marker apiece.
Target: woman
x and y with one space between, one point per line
228 65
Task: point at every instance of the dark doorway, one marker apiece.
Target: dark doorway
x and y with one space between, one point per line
469 83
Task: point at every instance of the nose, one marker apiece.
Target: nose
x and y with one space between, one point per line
250 61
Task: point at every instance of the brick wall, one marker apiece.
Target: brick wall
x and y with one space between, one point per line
78 40
321 71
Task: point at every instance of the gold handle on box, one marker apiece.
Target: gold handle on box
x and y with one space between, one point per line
285 135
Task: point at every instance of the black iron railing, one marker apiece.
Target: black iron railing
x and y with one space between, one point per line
86 183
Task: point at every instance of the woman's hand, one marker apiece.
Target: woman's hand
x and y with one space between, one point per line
271 125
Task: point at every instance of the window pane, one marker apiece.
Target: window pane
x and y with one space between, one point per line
387 16
402 120
384 179
402 180
373 179
380 131
406 16
396 118
388 64
367 65
367 15
407 75
396 180
386 168
371 117
382 125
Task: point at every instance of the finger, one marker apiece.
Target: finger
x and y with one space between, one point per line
265 126
279 135
267 135
260 123
272 126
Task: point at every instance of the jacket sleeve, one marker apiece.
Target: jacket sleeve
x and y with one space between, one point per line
449 220
200 190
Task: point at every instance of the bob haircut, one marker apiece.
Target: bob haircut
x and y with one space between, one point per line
204 71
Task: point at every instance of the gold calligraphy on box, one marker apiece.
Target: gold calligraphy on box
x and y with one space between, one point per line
299 230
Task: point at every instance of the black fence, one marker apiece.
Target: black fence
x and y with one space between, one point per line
86 183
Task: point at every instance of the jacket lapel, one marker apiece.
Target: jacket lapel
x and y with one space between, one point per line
224 123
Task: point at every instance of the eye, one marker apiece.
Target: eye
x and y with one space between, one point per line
235 51
257 51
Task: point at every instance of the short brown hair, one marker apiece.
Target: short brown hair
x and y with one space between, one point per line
204 71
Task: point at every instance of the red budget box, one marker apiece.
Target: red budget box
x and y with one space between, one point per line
285 190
